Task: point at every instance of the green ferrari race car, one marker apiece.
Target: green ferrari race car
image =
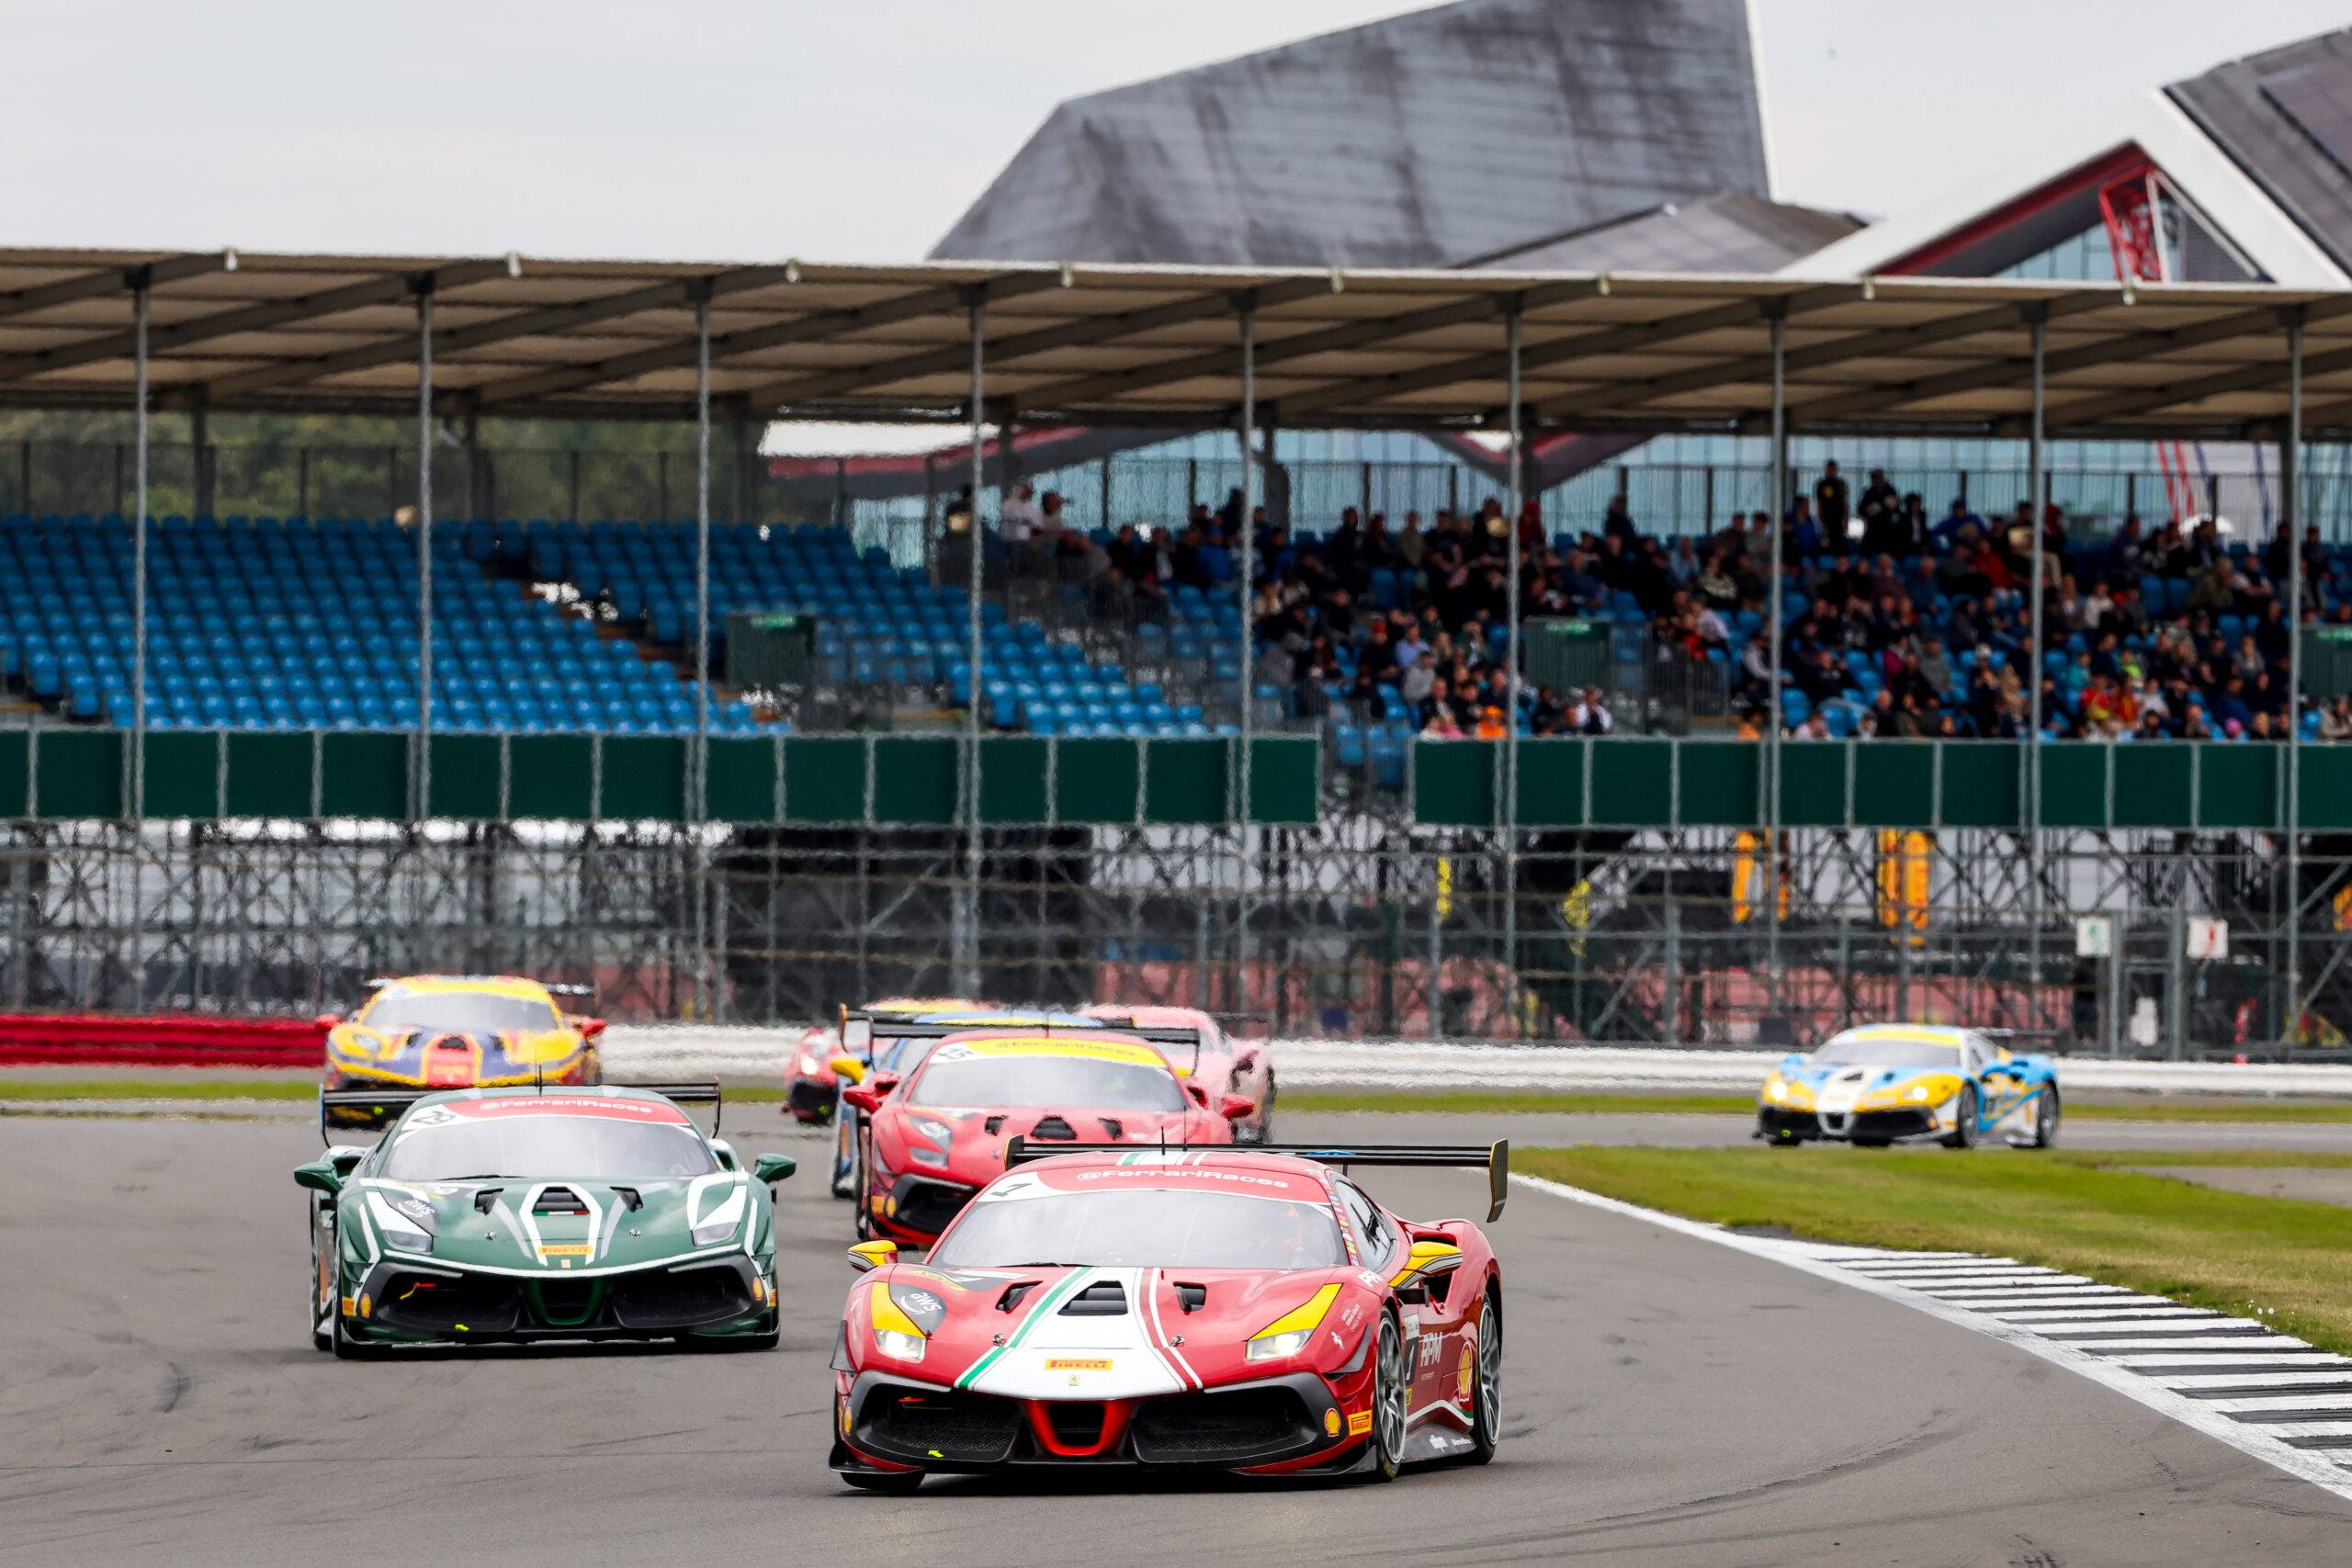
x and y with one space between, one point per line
506 1214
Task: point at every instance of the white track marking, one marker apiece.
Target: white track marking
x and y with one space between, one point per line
2264 1441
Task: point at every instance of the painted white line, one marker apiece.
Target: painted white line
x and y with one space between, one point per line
2321 1377
2331 1407
2266 1444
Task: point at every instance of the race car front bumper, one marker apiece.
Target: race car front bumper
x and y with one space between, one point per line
1778 1124
1272 1421
400 1302
809 1101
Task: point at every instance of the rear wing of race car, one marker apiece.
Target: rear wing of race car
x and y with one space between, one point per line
373 1110
864 1030
1494 1158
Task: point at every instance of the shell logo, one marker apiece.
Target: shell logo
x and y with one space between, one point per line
1331 1422
1464 1371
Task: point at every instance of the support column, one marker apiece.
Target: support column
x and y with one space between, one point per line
136 806
698 789
967 901
2290 519
1239 1004
200 439
424 800
1779 503
2036 320
1516 477
139 551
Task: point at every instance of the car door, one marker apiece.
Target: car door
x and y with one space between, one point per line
1996 1086
1432 1323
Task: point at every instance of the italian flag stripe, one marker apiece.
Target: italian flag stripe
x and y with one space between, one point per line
1045 1308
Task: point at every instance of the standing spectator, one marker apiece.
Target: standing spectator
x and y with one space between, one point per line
1878 508
1020 517
1831 501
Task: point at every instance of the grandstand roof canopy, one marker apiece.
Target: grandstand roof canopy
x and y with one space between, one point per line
1160 345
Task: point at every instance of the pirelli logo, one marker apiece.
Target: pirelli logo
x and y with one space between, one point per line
565 1249
1078 1364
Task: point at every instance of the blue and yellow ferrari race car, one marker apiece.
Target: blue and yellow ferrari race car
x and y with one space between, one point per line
1909 1083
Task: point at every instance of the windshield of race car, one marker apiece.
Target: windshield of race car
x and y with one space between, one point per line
456 1012
447 1147
1888 1052
1044 1082
1142 1228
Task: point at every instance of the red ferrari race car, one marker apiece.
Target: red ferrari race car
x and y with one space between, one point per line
1219 1062
1241 1308
929 1142
812 1084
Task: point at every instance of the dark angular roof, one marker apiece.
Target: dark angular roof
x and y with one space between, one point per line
1454 131
1730 231
2284 116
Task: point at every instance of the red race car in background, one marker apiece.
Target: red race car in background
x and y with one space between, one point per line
1220 1064
812 1084
929 1142
1250 1310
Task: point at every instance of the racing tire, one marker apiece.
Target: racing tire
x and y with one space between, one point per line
348 1348
324 1311
1964 1132
1265 1133
1392 1393
897 1481
2046 1117
848 1179
1486 1391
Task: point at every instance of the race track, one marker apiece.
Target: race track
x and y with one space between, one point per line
1670 1401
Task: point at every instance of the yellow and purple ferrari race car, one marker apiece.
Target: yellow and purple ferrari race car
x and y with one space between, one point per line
460 1032
1898 1083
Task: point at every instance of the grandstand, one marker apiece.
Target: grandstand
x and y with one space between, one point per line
1034 819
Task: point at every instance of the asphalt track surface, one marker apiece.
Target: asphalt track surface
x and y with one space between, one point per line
1669 1400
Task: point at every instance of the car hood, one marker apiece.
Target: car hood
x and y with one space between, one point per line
448 1057
1104 1333
538 1226
1813 1076
976 1139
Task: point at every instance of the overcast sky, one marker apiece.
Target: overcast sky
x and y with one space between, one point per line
708 130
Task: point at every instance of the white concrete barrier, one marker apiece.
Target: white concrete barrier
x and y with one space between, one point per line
677 1050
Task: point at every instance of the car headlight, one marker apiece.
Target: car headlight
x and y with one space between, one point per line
1777 1090
1916 1091
722 1221
1288 1334
1276 1346
903 1326
808 1066
406 1224
934 1158
937 1130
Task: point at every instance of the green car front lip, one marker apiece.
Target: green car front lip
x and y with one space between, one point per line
515 1308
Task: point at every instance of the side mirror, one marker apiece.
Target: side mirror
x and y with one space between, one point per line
1426 1261
590 1028
849 1069
868 1255
868 1097
325 1021
318 1176
774 1168
1234 1107
346 1158
726 1152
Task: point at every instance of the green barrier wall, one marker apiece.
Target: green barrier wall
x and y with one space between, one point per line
1629 782
884 779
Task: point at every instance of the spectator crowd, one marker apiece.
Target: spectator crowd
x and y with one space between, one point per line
1894 623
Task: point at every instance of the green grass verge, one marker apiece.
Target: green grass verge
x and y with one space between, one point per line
2287 1261
1491 1102
30 1089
